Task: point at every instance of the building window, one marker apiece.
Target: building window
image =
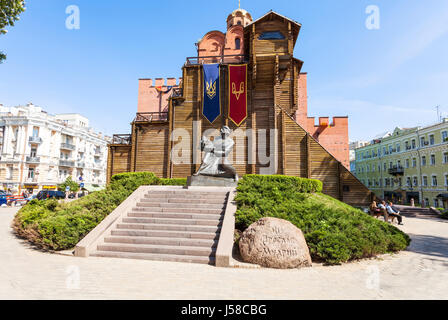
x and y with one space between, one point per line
31 173
415 182
431 139
424 161
271 35
433 159
35 132
237 43
446 180
408 182
414 162
9 172
33 153
407 163
445 157
434 181
425 181
422 142
384 166
406 144
444 136
398 147
413 143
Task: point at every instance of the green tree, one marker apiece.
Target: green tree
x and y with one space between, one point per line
74 187
10 11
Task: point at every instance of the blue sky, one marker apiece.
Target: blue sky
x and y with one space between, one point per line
394 76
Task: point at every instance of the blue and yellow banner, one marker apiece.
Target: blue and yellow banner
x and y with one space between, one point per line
211 104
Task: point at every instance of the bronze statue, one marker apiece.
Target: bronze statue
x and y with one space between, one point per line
215 161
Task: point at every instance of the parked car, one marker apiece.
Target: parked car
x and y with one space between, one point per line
3 199
50 194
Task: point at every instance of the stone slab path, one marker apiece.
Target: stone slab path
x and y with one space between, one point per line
421 272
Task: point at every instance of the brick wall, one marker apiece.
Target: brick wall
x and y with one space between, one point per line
150 99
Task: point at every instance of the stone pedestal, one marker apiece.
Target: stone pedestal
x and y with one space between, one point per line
209 181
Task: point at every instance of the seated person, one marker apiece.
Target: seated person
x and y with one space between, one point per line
391 212
373 208
383 210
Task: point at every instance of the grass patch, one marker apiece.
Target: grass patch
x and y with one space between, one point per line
59 226
335 232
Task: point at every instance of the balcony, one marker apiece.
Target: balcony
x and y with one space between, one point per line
34 139
151 117
66 163
396 171
98 166
223 59
32 159
68 146
80 164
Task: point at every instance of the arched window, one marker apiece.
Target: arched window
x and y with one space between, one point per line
237 43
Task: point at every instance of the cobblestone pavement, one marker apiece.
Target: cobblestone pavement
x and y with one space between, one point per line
421 272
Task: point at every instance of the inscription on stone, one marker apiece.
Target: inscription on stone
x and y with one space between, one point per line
274 243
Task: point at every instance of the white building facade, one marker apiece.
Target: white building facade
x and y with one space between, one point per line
39 150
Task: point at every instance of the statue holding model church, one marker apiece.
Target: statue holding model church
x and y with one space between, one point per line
215 162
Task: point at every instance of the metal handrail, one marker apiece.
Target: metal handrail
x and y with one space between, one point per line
217 59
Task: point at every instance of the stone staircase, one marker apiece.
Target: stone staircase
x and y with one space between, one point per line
418 212
176 224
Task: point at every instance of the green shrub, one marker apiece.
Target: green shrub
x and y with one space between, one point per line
58 226
335 232
74 187
444 215
173 182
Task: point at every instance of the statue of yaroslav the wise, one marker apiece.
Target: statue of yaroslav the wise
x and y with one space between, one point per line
215 162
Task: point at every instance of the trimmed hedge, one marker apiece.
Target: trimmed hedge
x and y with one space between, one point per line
59 226
335 232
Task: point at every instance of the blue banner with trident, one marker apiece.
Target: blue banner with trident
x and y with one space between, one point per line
211 104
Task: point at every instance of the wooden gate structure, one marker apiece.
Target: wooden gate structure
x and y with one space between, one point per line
273 74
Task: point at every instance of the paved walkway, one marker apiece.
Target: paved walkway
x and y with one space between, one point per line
419 273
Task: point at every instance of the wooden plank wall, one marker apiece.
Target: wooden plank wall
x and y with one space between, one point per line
118 161
302 149
152 148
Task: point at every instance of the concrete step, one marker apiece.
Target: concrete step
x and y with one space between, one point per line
184 242
160 249
201 205
179 209
188 192
165 233
186 196
155 257
173 215
168 227
218 200
189 222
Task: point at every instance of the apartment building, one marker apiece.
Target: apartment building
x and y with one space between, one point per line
39 150
407 163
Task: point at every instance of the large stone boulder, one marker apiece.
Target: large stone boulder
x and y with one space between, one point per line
274 243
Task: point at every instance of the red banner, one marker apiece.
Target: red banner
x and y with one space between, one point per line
238 93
